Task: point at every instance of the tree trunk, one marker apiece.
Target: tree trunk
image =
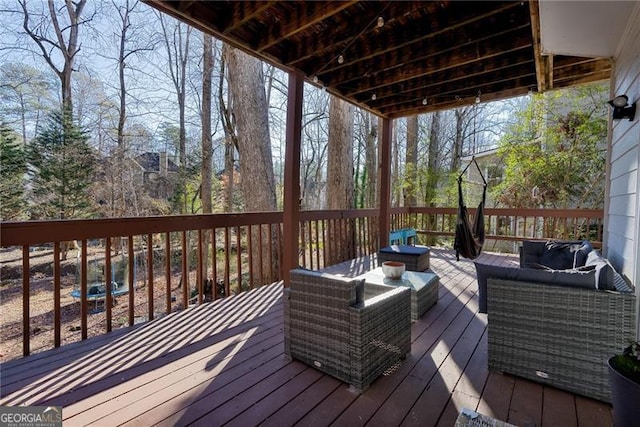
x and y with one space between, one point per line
246 83
207 153
432 172
122 114
371 164
411 162
395 170
458 139
340 176
207 148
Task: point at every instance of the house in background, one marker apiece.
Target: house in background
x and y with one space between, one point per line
158 174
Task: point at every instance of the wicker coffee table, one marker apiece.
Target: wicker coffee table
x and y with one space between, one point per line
423 285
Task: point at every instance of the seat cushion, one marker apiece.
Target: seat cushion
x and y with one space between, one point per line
405 250
577 278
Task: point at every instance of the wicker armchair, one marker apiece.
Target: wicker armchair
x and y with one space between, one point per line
348 331
558 335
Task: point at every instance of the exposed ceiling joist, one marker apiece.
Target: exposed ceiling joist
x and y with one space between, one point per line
403 52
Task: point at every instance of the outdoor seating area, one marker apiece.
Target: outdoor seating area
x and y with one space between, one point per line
224 362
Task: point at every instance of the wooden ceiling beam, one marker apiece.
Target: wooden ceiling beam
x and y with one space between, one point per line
241 12
489 92
398 112
298 19
457 89
544 63
473 38
427 85
343 32
391 38
449 61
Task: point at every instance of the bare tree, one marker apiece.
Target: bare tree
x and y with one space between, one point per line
50 43
177 39
26 93
129 45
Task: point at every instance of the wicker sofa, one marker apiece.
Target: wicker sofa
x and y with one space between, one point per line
557 333
349 331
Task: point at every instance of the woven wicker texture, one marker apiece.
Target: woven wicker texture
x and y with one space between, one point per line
353 341
557 335
423 285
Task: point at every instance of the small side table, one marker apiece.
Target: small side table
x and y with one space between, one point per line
423 285
416 258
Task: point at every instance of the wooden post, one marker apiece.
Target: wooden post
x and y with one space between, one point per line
291 216
384 220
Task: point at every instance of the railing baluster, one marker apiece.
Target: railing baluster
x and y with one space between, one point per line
185 271
199 267
108 279
250 254
214 263
150 301
239 258
261 254
278 250
83 291
132 277
227 251
57 327
26 291
309 230
167 270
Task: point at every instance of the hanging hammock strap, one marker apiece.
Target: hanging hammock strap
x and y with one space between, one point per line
469 238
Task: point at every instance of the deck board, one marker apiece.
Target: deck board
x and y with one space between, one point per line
223 363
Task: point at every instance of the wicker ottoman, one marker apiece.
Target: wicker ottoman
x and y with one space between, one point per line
416 258
424 288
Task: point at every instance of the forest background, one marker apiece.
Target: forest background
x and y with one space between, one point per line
111 109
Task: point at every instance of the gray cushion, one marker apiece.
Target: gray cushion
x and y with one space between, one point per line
578 278
558 255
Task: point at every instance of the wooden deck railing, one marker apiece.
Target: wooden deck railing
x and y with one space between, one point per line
512 225
168 263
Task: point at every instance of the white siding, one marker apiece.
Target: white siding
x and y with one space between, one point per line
622 232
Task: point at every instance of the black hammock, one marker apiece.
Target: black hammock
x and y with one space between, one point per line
469 237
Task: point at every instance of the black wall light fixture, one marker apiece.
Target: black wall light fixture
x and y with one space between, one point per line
622 109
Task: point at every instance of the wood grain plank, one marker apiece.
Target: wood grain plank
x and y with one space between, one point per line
279 398
591 413
303 403
558 408
526 404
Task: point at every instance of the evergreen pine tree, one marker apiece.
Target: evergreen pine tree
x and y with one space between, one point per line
12 170
62 166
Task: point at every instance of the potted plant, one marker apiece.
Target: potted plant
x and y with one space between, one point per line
624 376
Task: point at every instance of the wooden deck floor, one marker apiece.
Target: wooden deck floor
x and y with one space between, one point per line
222 363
